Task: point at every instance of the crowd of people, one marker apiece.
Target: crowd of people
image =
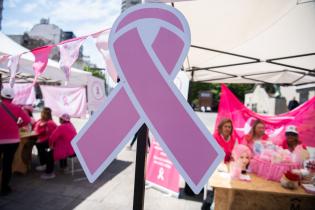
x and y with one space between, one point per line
53 141
228 141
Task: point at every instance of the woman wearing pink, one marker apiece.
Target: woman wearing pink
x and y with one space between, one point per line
12 117
224 136
256 134
60 144
44 128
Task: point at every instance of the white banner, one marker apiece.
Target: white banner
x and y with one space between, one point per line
65 100
96 93
24 94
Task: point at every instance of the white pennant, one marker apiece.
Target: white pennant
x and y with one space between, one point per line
101 42
69 53
13 65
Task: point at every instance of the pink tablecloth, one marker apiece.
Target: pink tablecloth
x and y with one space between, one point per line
269 170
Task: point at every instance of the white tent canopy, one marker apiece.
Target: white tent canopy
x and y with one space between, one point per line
52 72
258 30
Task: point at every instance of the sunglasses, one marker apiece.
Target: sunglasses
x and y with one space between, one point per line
291 134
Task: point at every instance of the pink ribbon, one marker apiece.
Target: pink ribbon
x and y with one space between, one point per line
148 44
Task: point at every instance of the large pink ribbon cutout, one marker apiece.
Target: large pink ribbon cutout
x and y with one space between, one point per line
148 44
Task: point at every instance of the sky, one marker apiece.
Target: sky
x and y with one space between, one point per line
83 17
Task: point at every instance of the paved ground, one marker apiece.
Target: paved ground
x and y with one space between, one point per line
112 191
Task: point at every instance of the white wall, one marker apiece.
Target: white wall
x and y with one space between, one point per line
259 98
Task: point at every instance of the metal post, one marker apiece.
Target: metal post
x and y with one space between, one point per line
0 81
139 187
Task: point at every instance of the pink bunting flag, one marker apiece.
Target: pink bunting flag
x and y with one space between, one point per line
13 65
101 41
41 60
69 53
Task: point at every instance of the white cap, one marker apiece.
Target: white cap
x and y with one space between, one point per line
291 129
7 93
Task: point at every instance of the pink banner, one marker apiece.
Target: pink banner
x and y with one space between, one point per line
41 60
242 117
65 100
101 41
24 94
160 171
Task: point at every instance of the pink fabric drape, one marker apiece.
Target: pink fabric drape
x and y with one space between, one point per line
303 117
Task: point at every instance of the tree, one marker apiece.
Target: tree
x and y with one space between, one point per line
96 72
238 89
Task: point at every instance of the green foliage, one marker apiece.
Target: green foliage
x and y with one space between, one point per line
238 89
96 72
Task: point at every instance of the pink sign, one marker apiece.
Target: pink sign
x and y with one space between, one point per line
160 170
303 117
148 44
65 100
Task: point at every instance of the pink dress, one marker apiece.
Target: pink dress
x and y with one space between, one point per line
61 139
227 146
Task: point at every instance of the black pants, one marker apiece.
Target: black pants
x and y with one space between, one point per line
8 151
51 162
42 153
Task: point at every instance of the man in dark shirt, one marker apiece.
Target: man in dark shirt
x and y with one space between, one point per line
293 104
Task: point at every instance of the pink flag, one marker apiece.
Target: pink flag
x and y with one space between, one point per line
69 52
101 41
13 65
41 60
65 100
303 117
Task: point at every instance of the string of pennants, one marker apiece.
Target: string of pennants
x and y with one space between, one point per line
69 52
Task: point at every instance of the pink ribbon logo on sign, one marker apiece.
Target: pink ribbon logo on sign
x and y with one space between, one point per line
148 44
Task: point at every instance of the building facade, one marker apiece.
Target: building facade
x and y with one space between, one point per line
45 33
128 3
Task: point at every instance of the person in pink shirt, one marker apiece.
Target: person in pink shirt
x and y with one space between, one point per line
60 145
257 133
225 138
44 128
12 117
